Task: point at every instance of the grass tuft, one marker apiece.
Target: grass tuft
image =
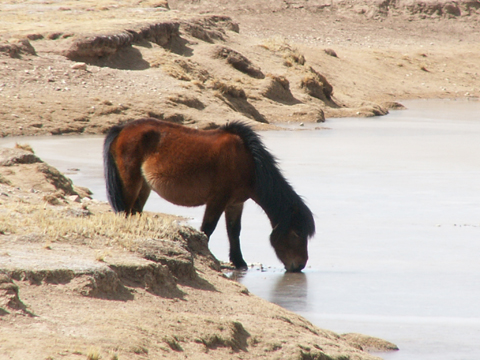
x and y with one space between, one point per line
291 55
56 224
93 354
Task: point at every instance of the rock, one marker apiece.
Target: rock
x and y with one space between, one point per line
34 37
74 198
54 35
79 66
330 52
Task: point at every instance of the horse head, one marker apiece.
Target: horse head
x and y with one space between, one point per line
291 248
290 236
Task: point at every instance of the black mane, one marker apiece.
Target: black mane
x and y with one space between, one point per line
283 206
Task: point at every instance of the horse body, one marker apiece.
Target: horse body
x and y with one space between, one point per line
218 168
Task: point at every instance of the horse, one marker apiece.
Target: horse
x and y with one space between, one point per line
220 168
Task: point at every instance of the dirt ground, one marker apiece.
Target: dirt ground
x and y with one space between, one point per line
80 283
79 67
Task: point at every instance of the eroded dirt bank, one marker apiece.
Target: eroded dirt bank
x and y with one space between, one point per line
79 67
77 281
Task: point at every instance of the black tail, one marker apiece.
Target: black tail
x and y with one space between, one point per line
284 207
112 177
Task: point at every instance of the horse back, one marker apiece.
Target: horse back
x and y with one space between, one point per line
186 166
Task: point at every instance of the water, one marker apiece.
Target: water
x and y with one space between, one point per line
397 207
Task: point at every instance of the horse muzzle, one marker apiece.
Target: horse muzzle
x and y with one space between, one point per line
295 267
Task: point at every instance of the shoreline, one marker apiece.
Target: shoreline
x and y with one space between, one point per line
198 69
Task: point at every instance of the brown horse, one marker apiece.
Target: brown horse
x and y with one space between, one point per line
221 168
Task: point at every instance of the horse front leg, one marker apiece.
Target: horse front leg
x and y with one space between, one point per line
212 214
233 217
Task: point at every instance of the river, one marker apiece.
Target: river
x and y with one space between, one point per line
397 206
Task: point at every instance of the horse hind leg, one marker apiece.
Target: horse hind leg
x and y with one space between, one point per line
233 218
141 198
135 190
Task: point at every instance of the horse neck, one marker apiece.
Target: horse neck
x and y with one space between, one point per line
277 199
284 207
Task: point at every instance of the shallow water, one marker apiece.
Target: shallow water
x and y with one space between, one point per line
397 206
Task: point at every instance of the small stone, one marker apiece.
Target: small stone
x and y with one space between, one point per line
79 66
330 52
74 198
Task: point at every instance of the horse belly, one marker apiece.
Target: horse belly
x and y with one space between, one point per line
178 190
199 171
182 195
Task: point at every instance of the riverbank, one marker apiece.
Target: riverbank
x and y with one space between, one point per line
78 281
201 64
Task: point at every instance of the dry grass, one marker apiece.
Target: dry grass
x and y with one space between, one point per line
230 89
60 224
176 71
276 44
93 354
290 54
25 147
293 57
282 80
3 180
173 342
181 69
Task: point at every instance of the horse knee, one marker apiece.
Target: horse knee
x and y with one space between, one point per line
208 229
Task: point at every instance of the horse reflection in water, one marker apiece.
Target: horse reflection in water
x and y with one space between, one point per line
219 168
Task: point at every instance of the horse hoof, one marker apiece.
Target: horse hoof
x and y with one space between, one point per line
241 266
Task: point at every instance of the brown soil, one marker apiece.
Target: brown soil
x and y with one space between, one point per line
74 285
79 67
